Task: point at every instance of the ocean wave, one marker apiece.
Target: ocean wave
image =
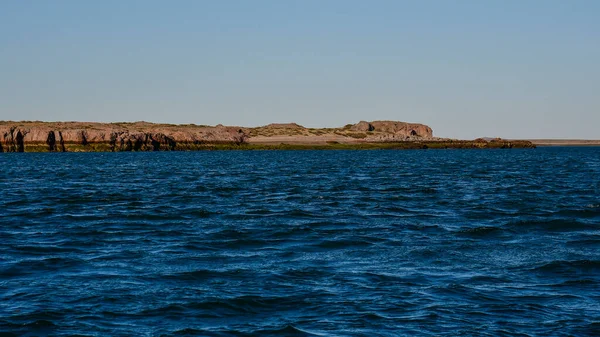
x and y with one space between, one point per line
570 267
288 330
482 231
555 225
380 243
40 266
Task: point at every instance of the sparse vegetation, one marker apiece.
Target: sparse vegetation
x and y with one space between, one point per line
358 135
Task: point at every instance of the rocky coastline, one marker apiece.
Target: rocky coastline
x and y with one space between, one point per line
144 136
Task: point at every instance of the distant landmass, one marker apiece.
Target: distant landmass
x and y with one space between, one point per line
143 136
565 142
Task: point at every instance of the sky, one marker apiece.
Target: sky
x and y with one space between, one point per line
467 68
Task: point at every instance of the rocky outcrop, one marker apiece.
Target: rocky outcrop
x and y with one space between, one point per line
395 129
285 126
12 139
141 136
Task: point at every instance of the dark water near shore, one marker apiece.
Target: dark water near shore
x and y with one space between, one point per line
306 243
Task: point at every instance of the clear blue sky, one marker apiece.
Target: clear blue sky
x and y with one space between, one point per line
508 68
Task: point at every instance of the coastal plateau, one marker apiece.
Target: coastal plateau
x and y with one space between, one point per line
144 136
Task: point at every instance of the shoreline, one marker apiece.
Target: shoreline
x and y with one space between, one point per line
37 136
408 145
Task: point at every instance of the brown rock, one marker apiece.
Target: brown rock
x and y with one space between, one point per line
362 126
142 136
396 128
285 126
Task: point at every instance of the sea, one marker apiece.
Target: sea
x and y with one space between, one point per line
301 243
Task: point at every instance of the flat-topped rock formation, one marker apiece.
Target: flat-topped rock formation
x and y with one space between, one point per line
143 136
139 136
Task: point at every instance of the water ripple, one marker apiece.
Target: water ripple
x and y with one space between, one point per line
308 243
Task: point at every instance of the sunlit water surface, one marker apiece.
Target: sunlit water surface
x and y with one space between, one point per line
304 243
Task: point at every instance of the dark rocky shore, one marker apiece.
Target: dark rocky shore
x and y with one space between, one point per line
143 136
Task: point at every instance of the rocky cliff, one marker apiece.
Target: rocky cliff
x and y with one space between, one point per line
143 136
139 136
394 131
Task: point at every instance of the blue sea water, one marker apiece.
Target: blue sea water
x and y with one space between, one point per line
301 243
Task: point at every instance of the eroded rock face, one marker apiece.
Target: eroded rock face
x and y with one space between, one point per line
362 126
51 141
142 136
120 137
12 139
395 129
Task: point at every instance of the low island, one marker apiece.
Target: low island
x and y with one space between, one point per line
144 136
